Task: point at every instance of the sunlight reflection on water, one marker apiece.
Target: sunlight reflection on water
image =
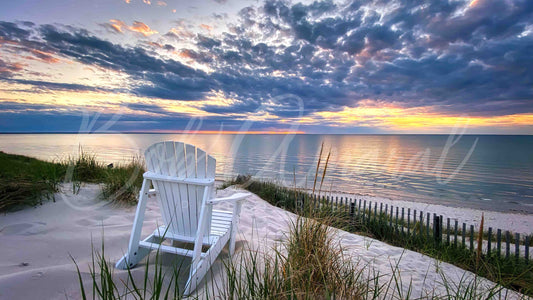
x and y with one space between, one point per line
497 176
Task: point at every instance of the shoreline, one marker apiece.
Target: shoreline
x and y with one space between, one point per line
517 222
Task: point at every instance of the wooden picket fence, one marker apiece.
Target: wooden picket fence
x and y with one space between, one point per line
398 225
412 223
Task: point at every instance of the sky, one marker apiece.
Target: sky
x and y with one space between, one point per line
267 66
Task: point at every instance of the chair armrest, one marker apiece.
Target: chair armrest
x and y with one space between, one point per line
196 181
232 198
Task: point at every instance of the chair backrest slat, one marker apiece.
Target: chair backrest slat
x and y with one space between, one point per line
168 203
180 203
190 153
210 171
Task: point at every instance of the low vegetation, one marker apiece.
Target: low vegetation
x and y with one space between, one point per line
26 181
308 264
513 273
122 184
158 283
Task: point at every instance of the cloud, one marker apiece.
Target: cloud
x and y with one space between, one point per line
142 28
7 69
167 47
179 33
161 3
404 54
118 26
115 25
56 86
206 27
447 56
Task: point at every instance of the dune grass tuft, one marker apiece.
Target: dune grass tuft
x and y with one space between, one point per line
26 181
123 183
314 264
84 168
158 282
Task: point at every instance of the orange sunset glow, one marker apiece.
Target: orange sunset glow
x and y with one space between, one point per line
344 69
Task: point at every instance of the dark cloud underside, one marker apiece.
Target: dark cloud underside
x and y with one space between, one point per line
442 54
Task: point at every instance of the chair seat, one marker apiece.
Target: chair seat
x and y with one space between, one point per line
220 225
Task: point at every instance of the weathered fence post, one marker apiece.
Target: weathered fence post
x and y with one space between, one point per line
414 222
507 243
526 254
403 218
380 211
455 234
448 231
369 211
397 229
471 237
489 244
346 207
437 230
408 222
364 211
391 215
517 245
499 242
427 225
421 222
464 235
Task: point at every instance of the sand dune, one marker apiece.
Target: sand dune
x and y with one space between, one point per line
36 244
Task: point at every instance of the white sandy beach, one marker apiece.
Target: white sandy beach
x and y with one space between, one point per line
36 244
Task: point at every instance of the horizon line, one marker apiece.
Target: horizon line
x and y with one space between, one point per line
252 132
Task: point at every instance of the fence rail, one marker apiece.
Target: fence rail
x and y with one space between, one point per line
411 224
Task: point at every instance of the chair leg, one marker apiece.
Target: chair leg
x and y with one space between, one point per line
190 286
232 241
234 227
130 261
200 268
136 254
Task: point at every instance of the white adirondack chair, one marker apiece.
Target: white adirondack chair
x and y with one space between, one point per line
183 179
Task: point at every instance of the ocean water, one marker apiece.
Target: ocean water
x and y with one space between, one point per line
492 172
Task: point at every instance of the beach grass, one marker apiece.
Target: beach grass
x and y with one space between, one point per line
511 272
26 181
308 264
123 183
157 282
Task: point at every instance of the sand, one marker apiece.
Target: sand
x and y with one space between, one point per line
36 245
515 222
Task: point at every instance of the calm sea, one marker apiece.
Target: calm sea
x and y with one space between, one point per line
488 172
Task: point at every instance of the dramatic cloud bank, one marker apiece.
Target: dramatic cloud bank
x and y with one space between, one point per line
360 66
